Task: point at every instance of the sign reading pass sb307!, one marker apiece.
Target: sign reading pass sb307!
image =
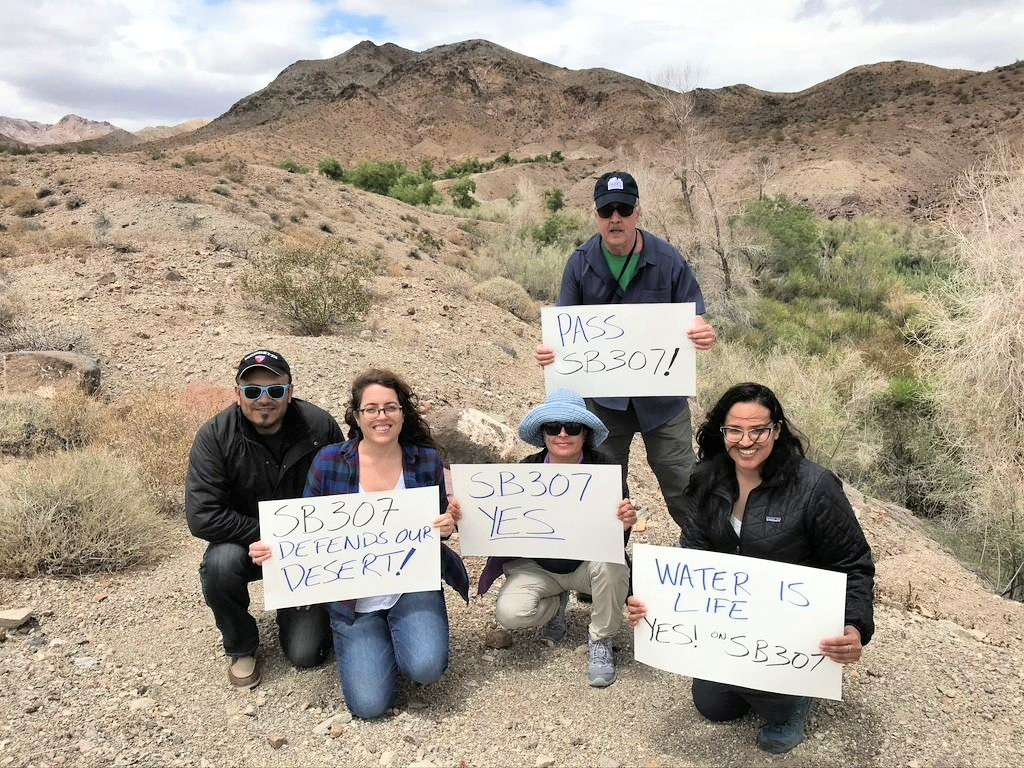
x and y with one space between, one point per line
621 350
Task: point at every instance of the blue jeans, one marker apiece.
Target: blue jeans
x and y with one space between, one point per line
225 574
410 639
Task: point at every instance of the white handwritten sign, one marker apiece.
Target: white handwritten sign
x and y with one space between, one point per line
351 545
739 620
540 510
621 350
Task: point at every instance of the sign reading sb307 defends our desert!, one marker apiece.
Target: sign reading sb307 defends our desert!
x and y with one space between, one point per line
621 350
352 545
739 620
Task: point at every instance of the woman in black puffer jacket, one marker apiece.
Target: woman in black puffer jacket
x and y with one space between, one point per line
753 493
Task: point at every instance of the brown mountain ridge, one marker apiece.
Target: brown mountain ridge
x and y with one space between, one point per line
887 135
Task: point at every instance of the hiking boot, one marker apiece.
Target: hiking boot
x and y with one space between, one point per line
244 672
556 629
601 668
782 737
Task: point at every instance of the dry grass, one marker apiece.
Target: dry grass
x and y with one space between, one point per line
30 424
155 434
974 351
76 512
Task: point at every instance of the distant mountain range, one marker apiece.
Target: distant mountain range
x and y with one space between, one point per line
72 129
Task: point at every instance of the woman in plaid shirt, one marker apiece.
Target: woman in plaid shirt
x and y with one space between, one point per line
376 639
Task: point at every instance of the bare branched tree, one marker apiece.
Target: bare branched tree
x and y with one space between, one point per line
693 160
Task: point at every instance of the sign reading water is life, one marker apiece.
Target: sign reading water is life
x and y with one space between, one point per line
739 620
328 548
540 510
621 350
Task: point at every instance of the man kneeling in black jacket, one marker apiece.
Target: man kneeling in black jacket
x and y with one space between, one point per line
257 450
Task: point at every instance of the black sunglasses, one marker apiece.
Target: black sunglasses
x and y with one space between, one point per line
255 392
553 429
625 211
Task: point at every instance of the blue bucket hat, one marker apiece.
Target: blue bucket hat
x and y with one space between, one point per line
561 405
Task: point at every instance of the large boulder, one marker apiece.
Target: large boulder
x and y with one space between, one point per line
46 373
469 436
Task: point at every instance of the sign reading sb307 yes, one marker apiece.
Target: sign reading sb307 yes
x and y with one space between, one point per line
621 350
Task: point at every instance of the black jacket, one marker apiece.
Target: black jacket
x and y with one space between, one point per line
800 517
231 470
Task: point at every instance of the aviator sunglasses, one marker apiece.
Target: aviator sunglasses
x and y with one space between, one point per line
606 211
553 429
273 391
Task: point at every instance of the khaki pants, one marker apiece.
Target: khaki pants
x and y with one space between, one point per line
529 596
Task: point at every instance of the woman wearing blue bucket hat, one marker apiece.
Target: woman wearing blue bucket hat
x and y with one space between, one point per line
536 590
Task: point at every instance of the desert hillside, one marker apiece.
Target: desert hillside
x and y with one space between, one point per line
148 261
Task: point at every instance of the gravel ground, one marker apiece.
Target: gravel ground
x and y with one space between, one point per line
127 670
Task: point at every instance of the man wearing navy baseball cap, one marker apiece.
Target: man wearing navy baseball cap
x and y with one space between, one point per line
623 264
256 450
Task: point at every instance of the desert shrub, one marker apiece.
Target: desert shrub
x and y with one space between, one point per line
376 177
332 169
31 424
554 200
462 193
972 351
313 287
18 334
556 156
155 434
235 168
193 158
415 191
74 202
27 208
220 189
76 512
510 296
292 167
466 167
44 192
457 282
185 199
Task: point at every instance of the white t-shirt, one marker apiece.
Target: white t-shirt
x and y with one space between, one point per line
736 523
379 602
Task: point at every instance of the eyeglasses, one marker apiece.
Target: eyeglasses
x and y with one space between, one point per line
388 410
756 434
554 429
273 391
625 211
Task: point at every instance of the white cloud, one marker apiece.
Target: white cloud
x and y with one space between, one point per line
139 62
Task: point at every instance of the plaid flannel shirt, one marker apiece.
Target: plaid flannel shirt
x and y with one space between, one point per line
335 469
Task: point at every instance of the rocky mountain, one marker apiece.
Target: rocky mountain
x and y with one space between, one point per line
160 132
882 135
69 129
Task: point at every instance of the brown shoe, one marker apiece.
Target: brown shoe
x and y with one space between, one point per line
244 672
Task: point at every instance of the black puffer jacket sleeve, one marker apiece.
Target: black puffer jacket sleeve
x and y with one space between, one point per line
840 545
208 506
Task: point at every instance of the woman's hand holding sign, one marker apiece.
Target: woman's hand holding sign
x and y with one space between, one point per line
259 552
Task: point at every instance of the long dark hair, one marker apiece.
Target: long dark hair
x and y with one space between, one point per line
715 465
415 431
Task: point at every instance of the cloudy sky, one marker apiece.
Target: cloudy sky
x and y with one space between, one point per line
149 62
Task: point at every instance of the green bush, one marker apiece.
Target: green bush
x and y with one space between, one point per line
554 200
76 512
313 288
332 169
292 167
462 193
